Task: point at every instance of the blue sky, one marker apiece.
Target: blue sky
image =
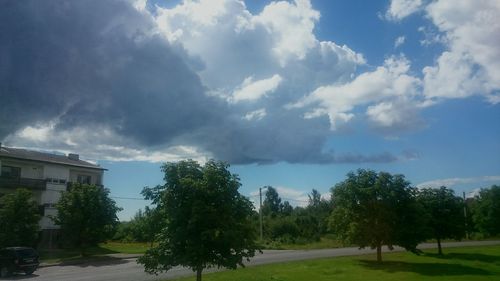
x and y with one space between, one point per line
293 94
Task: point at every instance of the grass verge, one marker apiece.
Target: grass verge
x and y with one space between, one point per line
466 263
73 255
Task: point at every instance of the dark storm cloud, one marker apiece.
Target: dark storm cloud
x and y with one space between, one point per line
97 63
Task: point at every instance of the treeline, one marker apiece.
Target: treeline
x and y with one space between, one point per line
366 209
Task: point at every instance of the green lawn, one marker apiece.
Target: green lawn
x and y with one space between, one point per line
70 255
467 263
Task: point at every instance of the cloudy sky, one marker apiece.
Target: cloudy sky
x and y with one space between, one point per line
293 94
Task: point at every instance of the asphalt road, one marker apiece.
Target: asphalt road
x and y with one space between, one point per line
128 269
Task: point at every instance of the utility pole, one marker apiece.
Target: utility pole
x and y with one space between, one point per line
260 210
465 218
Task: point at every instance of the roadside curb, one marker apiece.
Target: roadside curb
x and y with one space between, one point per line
99 258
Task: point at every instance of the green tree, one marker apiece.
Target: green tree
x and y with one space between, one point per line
87 215
272 203
144 226
320 209
486 211
314 199
286 209
19 216
446 214
372 210
207 221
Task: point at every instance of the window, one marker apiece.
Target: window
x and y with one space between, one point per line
56 181
83 179
11 172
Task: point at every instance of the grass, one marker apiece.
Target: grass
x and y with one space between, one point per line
126 248
72 255
324 243
466 263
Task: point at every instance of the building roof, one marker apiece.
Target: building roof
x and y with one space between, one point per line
25 154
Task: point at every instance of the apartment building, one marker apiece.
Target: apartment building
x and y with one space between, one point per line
46 175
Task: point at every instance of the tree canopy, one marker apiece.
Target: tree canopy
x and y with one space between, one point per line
486 211
86 215
19 216
207 221
272 203
446 214
375 209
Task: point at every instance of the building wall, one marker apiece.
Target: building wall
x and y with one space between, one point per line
57 177
30 170
95 175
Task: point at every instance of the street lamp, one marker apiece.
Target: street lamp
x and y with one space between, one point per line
260 209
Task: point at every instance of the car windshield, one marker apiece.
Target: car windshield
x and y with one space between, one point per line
26 252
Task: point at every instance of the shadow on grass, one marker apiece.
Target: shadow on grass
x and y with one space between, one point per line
428 269
467 257
95 261
72 254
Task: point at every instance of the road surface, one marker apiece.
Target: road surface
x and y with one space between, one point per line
128 269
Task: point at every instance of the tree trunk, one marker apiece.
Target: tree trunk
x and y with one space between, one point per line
198 273
440 251
379 252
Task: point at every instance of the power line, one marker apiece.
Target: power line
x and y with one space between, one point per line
128 198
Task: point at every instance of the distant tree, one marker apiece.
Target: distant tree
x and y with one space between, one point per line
320 209
372 210
144 226
272 202
446 214
284 229
19 216
314 199
207 221
86 215
286 209
486 211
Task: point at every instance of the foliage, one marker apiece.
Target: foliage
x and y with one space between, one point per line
143 227
86 215
320 209
314 199
207 221
295 225
19 216
446 214
272 205
371 210
486 211
284 229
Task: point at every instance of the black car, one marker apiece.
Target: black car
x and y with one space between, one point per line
18 259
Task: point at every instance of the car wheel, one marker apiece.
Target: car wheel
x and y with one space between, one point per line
4 271
29 271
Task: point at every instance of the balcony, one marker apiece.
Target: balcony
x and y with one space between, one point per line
36 184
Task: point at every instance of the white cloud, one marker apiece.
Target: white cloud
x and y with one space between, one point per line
388 82
399 41
40 133
251 90
233 44
255 115
98 143
295 197
400 9
392 114
471 63
451 182
292 27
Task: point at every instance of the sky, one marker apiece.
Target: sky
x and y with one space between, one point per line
292 94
